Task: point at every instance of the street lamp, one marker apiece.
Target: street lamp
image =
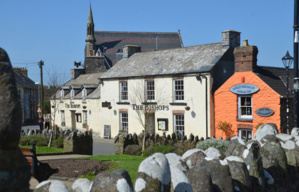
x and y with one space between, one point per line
287 61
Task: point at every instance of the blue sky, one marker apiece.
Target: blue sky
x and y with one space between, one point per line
54 31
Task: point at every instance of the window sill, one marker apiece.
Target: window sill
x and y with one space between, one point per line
149 103
245 120
123 103
178 103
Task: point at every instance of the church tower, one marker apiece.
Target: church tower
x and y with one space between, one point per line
90 40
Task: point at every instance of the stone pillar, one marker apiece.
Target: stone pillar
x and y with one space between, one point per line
14 167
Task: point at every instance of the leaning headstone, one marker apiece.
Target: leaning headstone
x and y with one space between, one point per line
236 147
179 181
14 168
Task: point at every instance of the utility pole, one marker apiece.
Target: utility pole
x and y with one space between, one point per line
296 39
41 63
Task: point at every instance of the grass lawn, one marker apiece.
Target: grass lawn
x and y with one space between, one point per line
128 162
46 149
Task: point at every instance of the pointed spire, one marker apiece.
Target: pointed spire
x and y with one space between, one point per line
90 17
90 28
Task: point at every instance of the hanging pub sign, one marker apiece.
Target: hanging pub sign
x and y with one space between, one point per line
264 112
244 89
106 104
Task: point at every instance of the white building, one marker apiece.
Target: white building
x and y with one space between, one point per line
167 91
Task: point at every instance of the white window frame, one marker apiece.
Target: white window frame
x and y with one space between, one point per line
150 90
84 93
247 107
178 90
72 94
62 93
124 121
123 91
246 131
85 117
62 117
179 124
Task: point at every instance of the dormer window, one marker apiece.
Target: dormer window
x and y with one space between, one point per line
119 54
72 93
62 93
84 93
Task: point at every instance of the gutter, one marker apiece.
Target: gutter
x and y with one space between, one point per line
206 99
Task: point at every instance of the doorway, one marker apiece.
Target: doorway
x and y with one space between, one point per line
73 117
152 123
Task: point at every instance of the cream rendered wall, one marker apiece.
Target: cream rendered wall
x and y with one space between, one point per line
194 96
93 111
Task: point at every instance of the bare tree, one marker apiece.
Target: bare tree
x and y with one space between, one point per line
145 101
55 81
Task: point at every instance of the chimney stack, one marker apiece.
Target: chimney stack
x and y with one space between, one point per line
230 38
19 70
129 50
245 57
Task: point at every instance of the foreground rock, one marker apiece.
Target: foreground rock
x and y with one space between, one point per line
50 186
119 180
153 174
14 168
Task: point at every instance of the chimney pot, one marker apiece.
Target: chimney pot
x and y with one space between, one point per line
245 43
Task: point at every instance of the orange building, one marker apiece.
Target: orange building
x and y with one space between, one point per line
252 96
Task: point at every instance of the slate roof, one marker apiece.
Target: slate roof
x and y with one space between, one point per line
195 59
275 77
24 81
114 41
85 79
91 81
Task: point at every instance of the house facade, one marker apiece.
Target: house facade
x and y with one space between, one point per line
169 91
253 96
28 93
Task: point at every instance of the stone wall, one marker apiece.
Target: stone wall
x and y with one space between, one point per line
74 141
79 143
181 143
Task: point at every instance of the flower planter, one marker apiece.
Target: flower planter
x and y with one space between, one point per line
109 107
187 108
84 107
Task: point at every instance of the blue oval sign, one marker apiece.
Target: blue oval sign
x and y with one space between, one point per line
264 112
244 89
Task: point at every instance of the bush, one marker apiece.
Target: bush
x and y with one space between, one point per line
133 150
32 140
58 143
44 141
221 145
158 149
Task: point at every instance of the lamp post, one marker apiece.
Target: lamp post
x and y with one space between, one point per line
287 61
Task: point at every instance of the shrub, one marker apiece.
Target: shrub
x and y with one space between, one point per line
58 143
225 128
133 150
159 148
32 140
42 142
221 145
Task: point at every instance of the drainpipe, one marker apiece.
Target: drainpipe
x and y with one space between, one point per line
206 99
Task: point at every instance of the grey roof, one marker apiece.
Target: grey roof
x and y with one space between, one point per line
24 81
90 81
168 62
85 79
275 77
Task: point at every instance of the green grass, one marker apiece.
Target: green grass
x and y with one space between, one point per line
46 149
128 162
